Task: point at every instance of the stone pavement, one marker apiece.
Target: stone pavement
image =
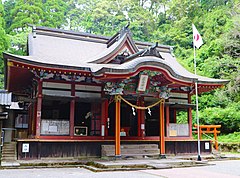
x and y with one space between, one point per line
99 165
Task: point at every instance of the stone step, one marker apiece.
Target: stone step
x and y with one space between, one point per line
9 152
6 151
133 146
132 151
10 144
135 155
8 155
10 163
8 148
9 159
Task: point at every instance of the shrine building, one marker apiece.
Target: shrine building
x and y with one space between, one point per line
80 93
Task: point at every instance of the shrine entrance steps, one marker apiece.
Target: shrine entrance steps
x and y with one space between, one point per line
9 156
132 150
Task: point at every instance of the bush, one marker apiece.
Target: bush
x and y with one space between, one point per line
228 117
230 138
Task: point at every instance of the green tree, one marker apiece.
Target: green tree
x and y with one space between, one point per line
4 43
8 6
106 17
79 14
25 12
166 21
21 13
54 12
179 9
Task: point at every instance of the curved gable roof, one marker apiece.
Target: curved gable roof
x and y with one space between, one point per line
125 42
170 66
81 51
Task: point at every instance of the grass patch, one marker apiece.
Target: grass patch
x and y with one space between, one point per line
230 138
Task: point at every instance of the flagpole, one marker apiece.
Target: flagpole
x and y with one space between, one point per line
196 91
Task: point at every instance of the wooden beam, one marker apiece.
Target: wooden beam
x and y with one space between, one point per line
106 117
39 108
174 115
189 116
210 132
72 115
215 138
167 120
142 118
117 128
139 118
30 118
162 130
72 108
208 126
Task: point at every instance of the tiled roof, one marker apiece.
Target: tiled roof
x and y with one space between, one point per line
63 49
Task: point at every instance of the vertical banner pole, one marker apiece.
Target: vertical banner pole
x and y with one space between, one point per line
196 91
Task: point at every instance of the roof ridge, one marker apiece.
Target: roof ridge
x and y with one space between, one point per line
67 32
49 30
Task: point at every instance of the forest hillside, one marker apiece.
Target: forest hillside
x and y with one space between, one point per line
168 22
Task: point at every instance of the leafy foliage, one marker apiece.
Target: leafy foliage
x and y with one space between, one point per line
25 12
230 138
4 43
228 117
166 21
54 12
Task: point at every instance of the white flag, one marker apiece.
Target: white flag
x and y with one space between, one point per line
197 39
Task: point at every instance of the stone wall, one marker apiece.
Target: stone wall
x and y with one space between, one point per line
229 147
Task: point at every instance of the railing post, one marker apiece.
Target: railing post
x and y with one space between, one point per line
215 138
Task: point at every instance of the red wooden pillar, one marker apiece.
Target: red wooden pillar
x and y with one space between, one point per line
215 138
174 116
34 118
104 116
139 118
104 121
117 128
142 111
190 121
39 108
162 137
72 109
30 119
189 117
167 120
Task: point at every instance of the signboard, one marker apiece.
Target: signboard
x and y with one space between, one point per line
54 127
25 147
207 146
80 131
178 130
142 85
